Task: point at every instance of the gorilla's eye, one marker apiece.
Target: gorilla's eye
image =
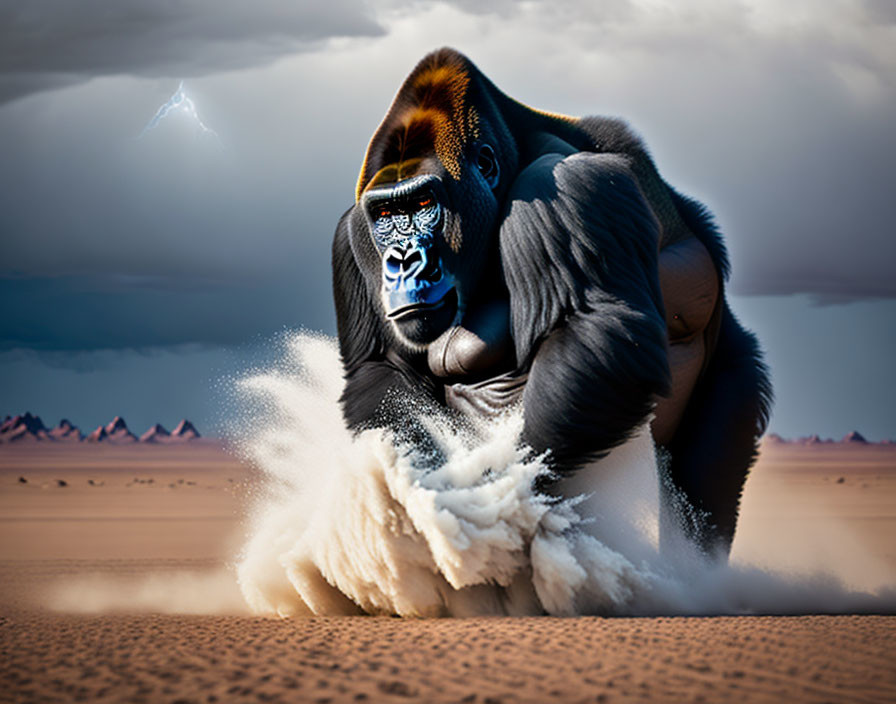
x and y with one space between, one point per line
382 213
424 202
487 163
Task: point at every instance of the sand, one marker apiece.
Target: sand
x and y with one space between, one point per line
121 590
207 659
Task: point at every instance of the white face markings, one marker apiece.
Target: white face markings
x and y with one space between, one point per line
394 229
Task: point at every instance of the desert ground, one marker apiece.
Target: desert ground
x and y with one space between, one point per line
116 585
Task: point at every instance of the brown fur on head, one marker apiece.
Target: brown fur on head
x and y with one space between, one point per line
431 115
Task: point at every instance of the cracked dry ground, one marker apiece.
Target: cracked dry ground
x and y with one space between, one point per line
155 658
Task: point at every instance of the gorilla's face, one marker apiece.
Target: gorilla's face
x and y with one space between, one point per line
407 222
432 234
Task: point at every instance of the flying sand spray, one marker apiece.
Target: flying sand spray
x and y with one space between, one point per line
344 524
352 524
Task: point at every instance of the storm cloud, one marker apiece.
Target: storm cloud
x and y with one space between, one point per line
46 43
777 116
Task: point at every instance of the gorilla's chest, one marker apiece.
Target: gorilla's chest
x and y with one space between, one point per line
475 359
479 346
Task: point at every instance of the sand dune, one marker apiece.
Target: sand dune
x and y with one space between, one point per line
140 539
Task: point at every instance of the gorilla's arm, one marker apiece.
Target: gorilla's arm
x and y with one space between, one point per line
371 370
579 252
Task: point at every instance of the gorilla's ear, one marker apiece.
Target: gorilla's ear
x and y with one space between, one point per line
577 230
360 331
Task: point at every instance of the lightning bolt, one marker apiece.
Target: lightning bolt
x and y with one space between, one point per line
179 101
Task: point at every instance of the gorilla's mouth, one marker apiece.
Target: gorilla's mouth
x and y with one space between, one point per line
443 294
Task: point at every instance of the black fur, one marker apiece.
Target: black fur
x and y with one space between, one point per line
569 238
590 325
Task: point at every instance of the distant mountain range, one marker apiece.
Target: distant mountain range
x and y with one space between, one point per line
853 438
28 427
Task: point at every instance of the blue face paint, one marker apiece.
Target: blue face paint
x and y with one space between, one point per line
406 219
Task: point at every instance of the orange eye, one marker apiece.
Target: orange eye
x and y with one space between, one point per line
425 202
382 213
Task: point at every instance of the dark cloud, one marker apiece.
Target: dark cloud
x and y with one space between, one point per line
144 387
72 313
883 11
781 126
807 206
111 240
44 43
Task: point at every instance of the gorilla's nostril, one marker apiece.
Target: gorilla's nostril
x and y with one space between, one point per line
413 260
428 269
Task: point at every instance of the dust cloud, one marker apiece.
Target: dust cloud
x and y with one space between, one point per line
345 523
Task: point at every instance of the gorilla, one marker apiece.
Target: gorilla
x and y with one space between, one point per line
497 254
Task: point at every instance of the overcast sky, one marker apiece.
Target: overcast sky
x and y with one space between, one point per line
127 256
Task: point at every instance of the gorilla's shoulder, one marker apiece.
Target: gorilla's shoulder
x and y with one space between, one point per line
615 136
612 134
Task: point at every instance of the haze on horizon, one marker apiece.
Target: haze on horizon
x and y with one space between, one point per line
139 274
